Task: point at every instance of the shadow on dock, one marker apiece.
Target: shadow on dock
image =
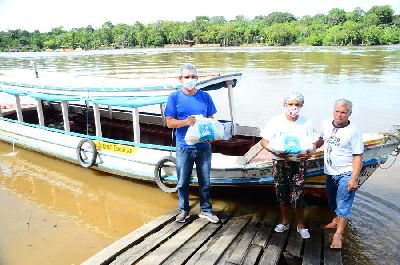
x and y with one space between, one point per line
239 238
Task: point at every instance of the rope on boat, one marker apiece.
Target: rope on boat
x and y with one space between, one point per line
390 136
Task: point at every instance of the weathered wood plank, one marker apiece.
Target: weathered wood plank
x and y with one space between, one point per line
312 248
183 254
162 253
274 248
193 245
215 251
295 242
252 255
210 240
109 253
262 236
149 243
245 242
228 252
331 256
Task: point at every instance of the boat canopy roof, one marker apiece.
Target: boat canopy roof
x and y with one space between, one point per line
213 83
133 102
111 100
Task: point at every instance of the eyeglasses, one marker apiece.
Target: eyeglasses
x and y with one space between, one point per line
190 76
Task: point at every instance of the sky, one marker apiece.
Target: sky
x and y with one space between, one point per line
43 15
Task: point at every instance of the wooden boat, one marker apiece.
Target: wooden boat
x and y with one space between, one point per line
102 128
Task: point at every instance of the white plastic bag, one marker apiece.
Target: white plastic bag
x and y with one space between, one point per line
291 145
204 130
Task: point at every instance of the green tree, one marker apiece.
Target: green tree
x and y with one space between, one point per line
280 34
396 21
335 36
278 17
356 16
336 16
123 36
371 35
141 34
351 31
390 35
84 37
383 13
155 35
104 34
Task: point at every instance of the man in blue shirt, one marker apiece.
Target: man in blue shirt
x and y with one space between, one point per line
181 107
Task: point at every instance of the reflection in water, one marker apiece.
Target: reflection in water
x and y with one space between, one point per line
98 208
139 63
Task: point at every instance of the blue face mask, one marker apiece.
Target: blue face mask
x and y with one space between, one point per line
190 83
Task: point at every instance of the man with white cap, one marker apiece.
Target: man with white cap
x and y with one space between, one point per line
289 173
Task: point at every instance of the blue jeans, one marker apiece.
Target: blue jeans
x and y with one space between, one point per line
185 159
340 200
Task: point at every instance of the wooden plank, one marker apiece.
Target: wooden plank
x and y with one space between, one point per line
331 256
215 251
253 151
230 250
295 242
252 255
162 253
222 241
274 248
312 248
245 242
192 246
151 242
200 242
106 255
262 236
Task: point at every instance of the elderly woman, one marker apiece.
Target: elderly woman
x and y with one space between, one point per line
288 172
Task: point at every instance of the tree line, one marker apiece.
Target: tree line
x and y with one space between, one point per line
377 26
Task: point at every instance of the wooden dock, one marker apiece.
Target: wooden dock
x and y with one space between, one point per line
240 238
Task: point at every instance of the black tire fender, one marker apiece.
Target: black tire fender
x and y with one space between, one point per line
157 174
87 163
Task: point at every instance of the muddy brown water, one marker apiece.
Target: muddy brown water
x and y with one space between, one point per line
54 212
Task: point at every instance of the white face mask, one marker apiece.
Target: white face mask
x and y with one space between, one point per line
293 111
189 83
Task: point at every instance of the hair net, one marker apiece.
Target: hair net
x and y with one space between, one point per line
294 95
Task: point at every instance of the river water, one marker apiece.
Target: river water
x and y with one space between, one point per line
57 213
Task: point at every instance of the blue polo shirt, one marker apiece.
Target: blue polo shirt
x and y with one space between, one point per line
180 106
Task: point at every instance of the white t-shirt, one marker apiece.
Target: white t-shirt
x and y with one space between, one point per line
340 144
280 126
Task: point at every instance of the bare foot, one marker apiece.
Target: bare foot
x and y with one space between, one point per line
336 241
330 225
